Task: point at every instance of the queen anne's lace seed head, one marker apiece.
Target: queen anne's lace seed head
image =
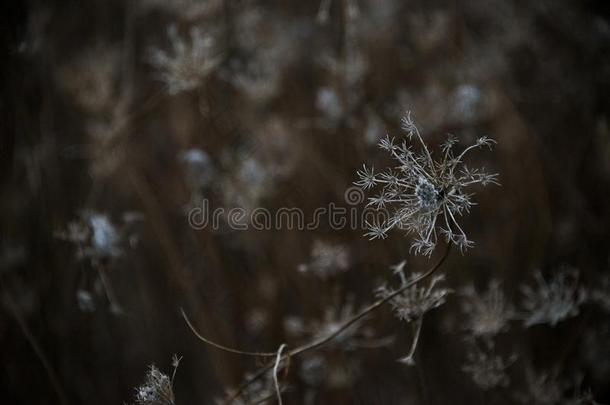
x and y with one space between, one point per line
412 303
189 62
156 390
423 196
489 312
327 260
487 369
553 301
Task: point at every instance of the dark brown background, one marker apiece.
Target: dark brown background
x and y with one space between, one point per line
542 69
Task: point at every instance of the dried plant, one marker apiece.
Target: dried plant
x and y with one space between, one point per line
488 312
423 196
223 108
157 388
487 369
554 301
327 259
413 302
188 63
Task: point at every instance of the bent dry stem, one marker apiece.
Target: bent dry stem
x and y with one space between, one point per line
316 343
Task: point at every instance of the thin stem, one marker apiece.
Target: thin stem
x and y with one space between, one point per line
221 347
321 341
278 360
408 359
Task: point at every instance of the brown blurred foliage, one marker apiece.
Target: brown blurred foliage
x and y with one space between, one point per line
293 108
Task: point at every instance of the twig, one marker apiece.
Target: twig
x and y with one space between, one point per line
321 341
275 368
221 347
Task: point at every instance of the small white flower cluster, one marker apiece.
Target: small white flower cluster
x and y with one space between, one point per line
188 63
554 301
421 194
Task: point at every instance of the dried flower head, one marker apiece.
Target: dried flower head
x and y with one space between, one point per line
189 62
554 301
489 312
415 301
487 370
424 196
412 303
327 259
156 390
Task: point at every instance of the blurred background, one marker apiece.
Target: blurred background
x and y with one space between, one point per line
119 116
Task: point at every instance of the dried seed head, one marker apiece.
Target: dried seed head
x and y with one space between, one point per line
156 390
425 197
553 301
488 312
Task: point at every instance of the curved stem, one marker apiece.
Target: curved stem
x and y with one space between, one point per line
221 347
323 340
276 367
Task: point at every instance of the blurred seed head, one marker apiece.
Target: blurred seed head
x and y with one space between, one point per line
415 301
487 369
327 259
488 312
156 389
550 302
188 63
